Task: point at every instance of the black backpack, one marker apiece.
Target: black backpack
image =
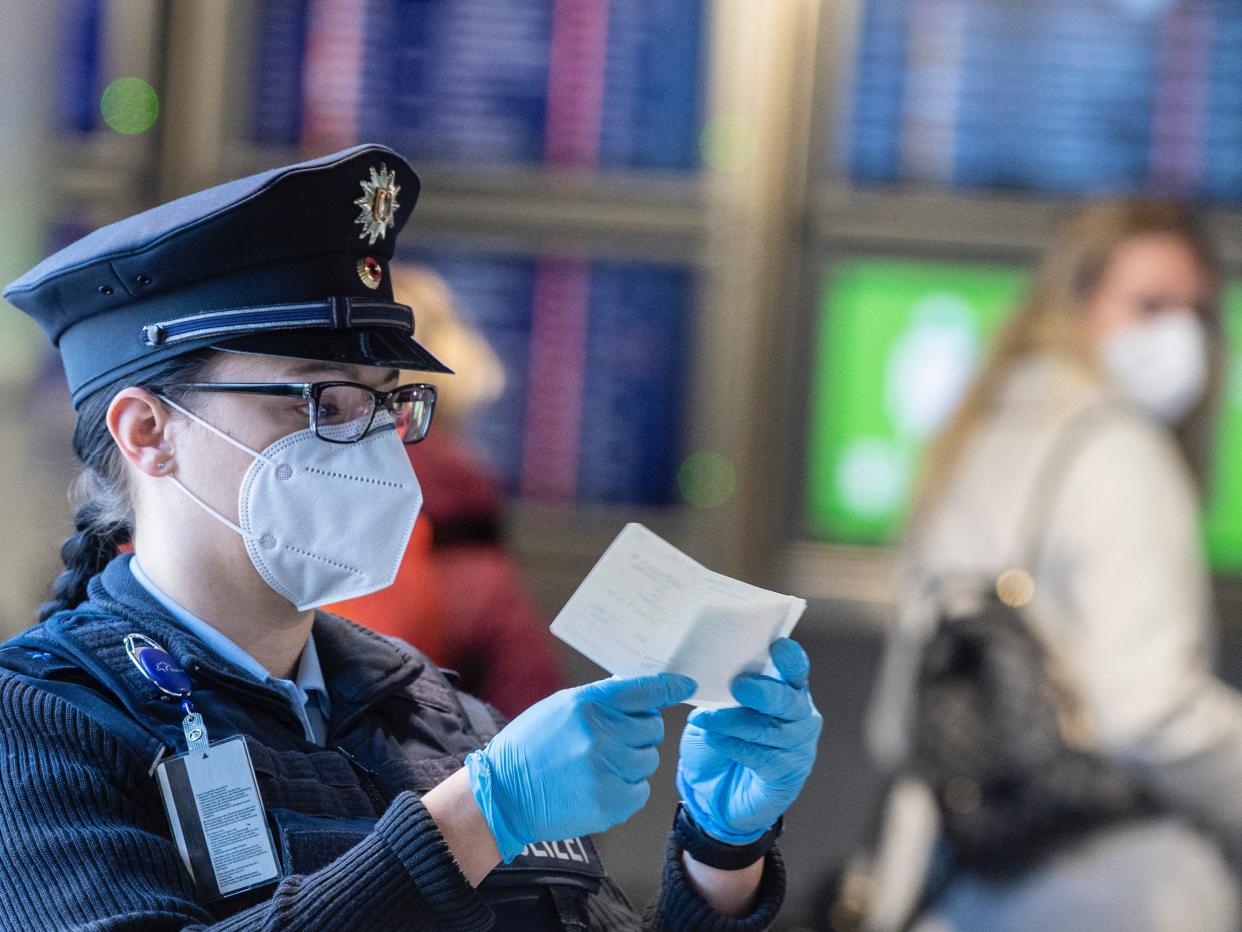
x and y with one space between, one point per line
997 737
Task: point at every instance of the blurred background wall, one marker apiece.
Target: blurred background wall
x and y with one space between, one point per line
736 256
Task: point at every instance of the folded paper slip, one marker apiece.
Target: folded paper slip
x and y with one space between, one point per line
646 607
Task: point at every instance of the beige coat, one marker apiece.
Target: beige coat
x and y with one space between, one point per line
1121 593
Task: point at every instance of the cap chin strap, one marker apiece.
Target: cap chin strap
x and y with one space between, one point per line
223 436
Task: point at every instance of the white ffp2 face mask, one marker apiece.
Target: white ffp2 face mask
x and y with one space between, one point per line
1161 364
324 522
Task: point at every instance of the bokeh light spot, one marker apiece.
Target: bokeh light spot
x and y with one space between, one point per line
130 106
728 143
706 479
1015 588
872 476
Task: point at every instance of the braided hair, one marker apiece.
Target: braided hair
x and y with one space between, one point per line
103 519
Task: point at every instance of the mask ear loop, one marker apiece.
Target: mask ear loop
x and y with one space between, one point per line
223 436
211 511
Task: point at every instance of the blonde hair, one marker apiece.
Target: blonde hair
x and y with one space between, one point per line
1050 320
478 376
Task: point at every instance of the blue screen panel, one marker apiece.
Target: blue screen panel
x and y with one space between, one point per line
595 356
79 83
1125 96
573 83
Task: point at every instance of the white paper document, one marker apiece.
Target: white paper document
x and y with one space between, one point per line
646 607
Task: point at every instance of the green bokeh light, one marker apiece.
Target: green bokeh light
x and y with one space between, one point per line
130 105
706 479
728 143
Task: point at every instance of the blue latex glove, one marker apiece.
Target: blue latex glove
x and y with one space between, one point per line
741 767
575 763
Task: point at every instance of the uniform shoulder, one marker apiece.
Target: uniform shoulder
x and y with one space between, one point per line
34 653
47 686
34 718
40 651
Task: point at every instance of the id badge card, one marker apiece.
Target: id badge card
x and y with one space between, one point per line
217 818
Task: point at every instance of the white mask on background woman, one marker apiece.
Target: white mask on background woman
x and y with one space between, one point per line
1161 363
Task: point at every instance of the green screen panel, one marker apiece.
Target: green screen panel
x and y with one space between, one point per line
1223 519
897 342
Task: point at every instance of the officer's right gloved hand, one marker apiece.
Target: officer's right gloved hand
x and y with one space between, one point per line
575 763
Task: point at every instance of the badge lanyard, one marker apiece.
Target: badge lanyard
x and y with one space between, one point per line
210 791
168 676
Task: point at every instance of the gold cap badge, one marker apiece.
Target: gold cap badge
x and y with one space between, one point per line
379 204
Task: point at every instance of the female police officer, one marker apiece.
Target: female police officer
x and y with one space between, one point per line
186 742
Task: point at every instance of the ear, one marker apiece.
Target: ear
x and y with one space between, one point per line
138 422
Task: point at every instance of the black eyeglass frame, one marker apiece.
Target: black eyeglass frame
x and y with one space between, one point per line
312 391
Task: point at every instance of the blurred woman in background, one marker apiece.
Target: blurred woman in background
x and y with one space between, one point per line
1122 320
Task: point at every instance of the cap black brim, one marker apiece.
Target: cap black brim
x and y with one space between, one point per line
373 347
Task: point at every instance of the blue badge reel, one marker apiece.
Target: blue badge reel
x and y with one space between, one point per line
210 792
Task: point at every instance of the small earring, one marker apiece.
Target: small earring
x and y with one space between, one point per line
160 465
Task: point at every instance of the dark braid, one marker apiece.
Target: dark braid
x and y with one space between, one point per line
85 553
104 518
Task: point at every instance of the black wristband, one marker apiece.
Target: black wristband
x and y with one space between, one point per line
718 854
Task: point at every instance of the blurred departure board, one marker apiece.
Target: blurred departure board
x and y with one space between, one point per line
595 356
898 342
1100 96
580 83
79 75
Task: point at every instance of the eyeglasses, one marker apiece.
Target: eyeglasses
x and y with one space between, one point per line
342 412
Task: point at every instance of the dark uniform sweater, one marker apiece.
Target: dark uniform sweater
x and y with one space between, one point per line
85 842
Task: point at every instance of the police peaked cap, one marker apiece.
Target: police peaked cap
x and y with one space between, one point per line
292 262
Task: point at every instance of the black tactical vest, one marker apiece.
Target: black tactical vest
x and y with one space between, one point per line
397 724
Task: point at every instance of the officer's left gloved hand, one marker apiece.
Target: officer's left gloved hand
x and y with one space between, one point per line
742 767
